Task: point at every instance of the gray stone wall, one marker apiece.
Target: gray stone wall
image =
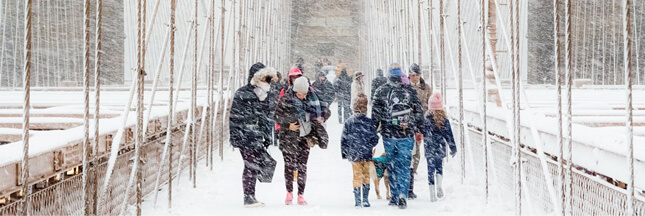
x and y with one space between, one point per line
326 29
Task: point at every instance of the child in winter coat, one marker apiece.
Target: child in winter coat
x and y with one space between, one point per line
436 135
358 139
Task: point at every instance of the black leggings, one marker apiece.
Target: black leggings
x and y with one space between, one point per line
249 175
296 161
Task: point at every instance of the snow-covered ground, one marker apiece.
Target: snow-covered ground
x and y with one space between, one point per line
328 192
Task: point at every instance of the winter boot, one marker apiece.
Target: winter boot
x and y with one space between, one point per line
403 204
251 202
433 195
394 201
289 199
301 200
357 197
411 194
366 194
439 189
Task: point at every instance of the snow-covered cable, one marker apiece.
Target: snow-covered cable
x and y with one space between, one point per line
97 99
460 88
86 111
627 37
568 80
24 178
484 28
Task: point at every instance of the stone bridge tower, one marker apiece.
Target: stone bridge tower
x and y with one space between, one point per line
326 29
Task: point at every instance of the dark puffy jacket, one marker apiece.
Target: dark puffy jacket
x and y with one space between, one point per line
343 87
380 114
325 91
435 139
358 139
376 83
250 121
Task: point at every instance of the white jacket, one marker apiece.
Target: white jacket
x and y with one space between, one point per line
356 89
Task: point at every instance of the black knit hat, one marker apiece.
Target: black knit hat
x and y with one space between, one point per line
254 69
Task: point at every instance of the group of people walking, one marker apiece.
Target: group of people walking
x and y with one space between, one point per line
404 111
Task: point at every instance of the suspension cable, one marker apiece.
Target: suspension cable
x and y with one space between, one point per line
24 180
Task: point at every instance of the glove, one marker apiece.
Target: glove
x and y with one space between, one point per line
418 137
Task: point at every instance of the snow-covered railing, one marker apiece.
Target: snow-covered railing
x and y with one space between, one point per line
599 170
55 166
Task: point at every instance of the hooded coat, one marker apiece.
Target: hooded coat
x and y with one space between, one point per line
378 81
250 122
343 86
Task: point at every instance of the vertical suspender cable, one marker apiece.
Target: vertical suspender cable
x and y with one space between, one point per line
24 179
193 102
516 99
558 83
569 79
515 137
97 100
140 132
221 83
431 45
627 36
171 79
86 111
15 44
211 80
419 59
442 49
462 160
4 24
484 25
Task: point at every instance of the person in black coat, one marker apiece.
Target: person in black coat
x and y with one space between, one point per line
357 141
324 88
378 81
398 114
250 126
343 87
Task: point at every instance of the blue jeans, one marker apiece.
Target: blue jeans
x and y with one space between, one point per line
399 154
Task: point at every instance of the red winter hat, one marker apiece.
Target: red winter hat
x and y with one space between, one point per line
435 102
295 72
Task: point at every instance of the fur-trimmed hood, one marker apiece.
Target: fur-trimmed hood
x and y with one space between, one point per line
267 71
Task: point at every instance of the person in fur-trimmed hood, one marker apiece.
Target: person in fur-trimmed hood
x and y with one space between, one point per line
250 126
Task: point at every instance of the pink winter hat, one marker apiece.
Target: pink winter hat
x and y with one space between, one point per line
435 102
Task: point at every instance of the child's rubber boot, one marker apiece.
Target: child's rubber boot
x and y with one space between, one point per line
357 197
366 193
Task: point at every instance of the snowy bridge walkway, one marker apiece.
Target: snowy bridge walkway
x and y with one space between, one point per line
328 192
541 128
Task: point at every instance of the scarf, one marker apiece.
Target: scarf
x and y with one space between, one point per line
261 90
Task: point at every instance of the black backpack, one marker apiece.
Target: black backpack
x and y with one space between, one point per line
399 109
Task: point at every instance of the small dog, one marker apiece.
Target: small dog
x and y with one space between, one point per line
377 168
